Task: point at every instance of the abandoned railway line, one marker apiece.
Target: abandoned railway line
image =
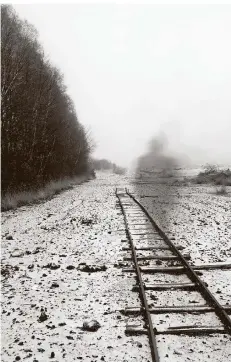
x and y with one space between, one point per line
149 244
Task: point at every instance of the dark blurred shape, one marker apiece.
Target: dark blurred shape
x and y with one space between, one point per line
106 165
156 173
157 157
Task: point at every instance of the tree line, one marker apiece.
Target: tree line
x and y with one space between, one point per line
106 165
42 139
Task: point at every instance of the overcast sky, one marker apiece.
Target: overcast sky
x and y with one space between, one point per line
133 70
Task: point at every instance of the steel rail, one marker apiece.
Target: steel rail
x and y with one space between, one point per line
211 300
149 325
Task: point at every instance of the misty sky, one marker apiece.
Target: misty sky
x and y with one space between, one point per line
133 70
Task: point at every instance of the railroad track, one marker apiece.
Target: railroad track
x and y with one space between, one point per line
152 239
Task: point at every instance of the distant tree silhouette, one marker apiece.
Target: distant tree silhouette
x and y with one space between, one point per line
42 139
104 164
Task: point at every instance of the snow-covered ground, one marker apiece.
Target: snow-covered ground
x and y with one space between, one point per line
63 256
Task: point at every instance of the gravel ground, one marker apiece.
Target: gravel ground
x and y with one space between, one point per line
61 268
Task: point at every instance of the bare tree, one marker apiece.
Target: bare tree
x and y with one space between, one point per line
42 139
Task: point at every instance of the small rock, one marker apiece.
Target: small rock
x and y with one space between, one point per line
70 267
91 268
52 266
54 285
69 337
52 355
9 237
41 350
43 316
91 326
85 221
17 253
50 327
37 250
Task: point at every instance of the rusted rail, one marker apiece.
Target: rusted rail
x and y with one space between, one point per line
195 282
209 297
148 320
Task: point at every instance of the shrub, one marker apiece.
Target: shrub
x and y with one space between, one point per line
119 170
221 190
105 165
213 175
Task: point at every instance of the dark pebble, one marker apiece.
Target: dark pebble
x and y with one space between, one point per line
54 285
70 267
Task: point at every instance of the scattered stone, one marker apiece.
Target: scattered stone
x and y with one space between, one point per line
54 285
37 250
43 316
50 327
70 267
41 350
52 355
7 270
153 297
52 266
62 324
91 326
17 253
139 344
9 237
69 337
91 268
85 221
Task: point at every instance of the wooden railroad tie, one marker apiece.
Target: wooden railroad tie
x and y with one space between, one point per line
166 286
157 257
179 269
189 330
201 308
